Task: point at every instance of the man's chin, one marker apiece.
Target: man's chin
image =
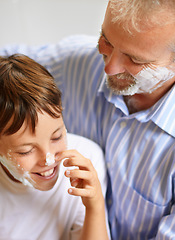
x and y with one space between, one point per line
131 90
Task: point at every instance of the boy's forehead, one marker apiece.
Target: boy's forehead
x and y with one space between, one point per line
15 139
19 132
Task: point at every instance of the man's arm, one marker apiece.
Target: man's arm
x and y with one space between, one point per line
166 229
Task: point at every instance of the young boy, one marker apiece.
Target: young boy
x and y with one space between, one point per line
36 154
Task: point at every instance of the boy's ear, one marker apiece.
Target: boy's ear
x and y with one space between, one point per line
1 154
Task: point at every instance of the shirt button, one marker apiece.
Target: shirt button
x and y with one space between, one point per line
123 124
108 165
109 202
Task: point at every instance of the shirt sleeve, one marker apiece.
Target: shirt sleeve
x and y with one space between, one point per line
48 55
31 51
51 56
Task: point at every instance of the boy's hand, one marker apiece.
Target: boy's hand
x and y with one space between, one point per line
83 178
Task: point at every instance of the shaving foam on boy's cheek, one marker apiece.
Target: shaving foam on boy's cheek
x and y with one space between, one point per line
149 79
15 169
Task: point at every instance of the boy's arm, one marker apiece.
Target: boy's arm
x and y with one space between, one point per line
85 183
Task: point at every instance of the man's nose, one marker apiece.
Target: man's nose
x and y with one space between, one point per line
114 63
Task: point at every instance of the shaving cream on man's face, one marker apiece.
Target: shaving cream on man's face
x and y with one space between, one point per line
146 81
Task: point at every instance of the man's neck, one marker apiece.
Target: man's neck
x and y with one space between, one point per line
139 102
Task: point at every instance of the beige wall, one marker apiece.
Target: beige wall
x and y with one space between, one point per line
47 21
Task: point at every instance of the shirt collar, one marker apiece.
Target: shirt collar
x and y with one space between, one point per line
162 113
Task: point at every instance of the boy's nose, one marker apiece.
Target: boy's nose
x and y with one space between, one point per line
46 158
50 159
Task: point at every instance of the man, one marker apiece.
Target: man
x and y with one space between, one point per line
128 109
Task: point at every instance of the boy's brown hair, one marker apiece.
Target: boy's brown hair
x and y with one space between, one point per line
26 87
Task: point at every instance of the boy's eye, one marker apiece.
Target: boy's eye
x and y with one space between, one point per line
57 138
25 153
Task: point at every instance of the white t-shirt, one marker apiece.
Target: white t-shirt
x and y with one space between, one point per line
29 214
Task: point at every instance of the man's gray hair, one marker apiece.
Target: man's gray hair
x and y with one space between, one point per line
137 14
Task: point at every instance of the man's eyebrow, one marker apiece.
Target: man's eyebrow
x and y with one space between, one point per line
103 34
133 57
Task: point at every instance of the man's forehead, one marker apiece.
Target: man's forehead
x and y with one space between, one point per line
153 43
138 15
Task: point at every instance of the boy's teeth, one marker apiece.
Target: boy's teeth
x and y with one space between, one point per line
48 173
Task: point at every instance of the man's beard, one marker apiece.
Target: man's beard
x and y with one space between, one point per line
129 85
146 81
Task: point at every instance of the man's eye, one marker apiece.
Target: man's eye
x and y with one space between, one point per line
105 41
137 63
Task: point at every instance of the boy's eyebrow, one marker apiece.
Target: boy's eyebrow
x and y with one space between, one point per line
28 144
24 144
58 129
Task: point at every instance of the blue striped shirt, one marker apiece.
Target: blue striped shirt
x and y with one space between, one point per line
139 148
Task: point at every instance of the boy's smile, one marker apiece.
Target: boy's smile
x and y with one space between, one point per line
31 157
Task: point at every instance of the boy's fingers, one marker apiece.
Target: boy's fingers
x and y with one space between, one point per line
67 154
80 174
83 179
81 192
73 158
74 182
81 162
